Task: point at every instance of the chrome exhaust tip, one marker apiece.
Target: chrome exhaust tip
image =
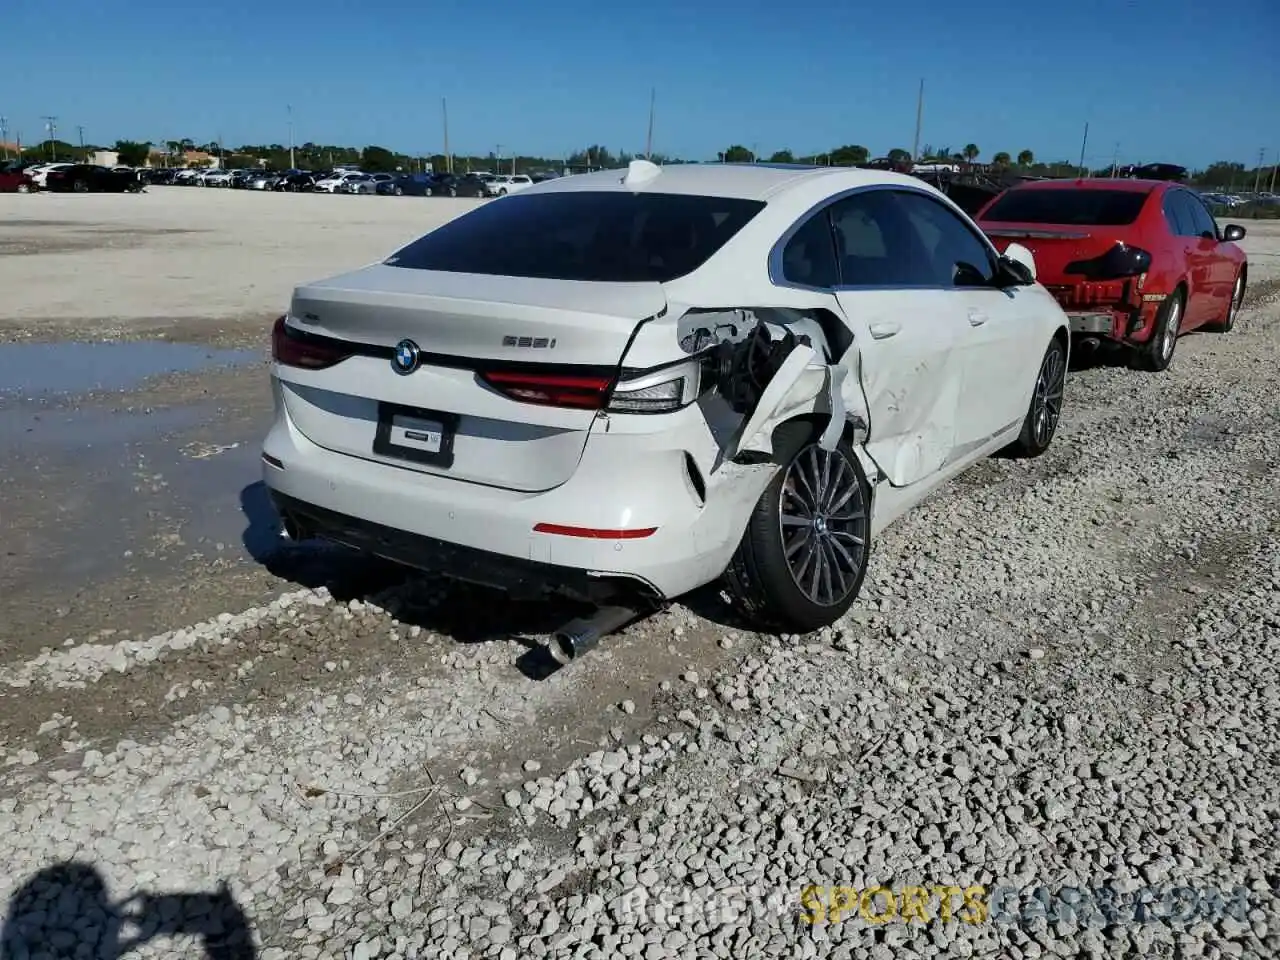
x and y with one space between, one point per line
581 635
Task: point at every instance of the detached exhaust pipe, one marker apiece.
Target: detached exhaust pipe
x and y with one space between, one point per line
580 635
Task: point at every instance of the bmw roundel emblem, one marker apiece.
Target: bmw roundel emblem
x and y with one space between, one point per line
406 357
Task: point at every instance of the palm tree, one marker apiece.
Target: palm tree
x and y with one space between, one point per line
1026 158
971 152
1001 159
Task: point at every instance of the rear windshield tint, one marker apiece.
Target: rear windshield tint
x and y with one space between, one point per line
614 237
1102 208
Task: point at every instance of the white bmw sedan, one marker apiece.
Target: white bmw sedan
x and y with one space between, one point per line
624 385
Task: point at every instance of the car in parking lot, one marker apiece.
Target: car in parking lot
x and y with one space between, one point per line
621 388
503 184
90 178
365 183
15 179
1134 262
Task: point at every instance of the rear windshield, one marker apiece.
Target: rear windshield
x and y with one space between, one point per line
613 236
1101 208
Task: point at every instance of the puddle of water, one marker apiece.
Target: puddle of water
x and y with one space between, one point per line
33 369
49 431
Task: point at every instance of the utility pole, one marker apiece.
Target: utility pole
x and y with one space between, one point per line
915 144
1257 177
648 143
289 109
80 133
1115 161
444 115
1274 164
51 125
498 159
1083 143
4 135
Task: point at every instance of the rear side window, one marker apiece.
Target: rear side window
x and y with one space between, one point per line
606 236
809 258
1099 208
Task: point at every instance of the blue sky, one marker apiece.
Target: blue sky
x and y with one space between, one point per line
1164 79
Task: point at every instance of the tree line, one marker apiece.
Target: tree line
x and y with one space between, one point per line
1222 174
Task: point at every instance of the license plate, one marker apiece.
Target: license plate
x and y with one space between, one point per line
408 433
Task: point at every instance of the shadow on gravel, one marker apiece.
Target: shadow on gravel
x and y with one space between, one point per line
63 912
468 614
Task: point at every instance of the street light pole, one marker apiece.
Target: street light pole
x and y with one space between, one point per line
51 125
444 114
289 109
4 135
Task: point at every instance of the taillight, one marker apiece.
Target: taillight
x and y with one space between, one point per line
580 392
294 348
657 391
1121 260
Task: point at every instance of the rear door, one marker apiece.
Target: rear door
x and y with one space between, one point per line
908 336
1198 253
1221 270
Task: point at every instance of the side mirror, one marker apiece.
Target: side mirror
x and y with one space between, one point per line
1018 266
1232 232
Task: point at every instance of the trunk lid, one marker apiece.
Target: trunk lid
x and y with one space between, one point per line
1054 248
442 418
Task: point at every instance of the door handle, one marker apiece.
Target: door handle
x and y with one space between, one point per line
885 329
977 319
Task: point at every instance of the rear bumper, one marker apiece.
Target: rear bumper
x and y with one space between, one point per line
1122 324
485 534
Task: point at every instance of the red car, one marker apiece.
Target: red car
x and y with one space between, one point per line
16 181
1133 261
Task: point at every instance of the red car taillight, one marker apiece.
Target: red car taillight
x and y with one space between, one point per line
295 349
551 390
660 390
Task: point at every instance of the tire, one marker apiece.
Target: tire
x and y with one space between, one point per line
1233 308
1157 353
80 186
399 191
1044 412
453 192
428 192
502 193
790 594
24 188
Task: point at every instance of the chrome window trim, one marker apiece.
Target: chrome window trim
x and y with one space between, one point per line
777 277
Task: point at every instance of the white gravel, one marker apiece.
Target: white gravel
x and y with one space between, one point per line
1062 674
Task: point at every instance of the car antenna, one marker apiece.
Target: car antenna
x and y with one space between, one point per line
640 172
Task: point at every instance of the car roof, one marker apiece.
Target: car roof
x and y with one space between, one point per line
747 181
1095 183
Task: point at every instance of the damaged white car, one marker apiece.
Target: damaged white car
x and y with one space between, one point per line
625 385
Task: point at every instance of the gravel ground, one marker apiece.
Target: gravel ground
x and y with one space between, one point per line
1045 729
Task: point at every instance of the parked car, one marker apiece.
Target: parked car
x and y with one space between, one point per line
298 181
406 185
451 185
15 179
40 172
366 183
1155 171
219 178
186 178
1137 262
335 182
90 178
500 186
621 387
